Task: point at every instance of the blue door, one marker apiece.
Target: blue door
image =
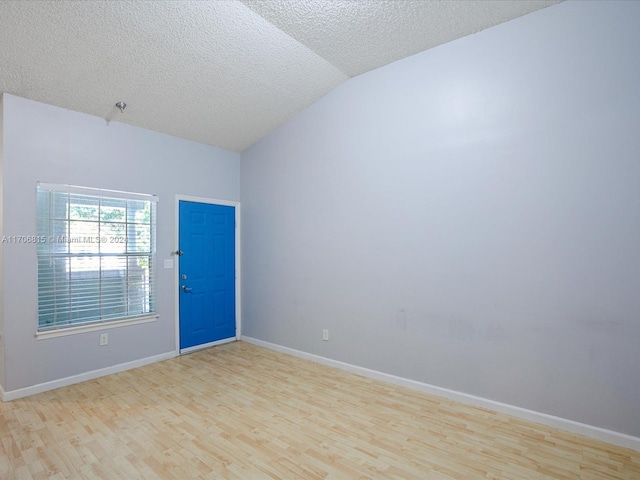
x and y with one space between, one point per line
207 273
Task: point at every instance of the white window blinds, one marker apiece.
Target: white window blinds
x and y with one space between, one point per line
96 255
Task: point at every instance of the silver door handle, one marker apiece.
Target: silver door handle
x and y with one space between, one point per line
186 289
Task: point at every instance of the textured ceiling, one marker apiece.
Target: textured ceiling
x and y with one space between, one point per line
224 73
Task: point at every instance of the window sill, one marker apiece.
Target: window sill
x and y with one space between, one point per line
92 327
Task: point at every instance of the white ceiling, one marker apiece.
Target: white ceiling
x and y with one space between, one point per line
224 72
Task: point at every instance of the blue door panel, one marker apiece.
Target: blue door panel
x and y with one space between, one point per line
207 241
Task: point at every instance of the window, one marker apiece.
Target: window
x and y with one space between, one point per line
96 256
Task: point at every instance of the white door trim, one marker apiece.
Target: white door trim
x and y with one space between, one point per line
212 201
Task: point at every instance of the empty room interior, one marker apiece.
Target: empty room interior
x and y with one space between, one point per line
320 239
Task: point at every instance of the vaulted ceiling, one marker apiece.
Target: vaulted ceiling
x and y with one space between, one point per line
223 73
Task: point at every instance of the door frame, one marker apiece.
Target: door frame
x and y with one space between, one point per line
176 267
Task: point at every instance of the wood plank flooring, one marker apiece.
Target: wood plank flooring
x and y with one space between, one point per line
240 411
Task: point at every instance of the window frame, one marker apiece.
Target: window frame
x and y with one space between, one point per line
101 321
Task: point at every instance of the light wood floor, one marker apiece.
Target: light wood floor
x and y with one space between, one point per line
240 411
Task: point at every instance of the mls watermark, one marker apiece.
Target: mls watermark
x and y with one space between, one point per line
62 239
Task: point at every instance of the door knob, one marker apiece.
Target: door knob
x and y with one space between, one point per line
186 289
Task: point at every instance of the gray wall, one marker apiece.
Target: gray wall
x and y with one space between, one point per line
468 217
49 144
1 246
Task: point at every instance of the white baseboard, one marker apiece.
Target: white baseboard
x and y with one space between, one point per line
590 431
83 377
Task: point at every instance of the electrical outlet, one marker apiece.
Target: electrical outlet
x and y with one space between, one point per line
325 334
104 339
